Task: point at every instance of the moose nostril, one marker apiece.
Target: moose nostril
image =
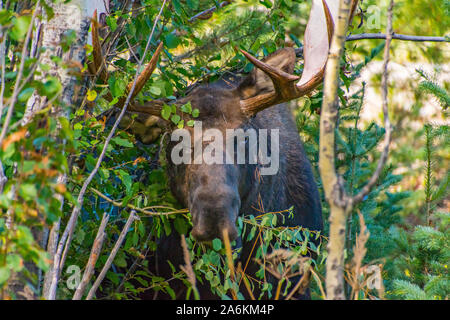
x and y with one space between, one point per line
232 233
201 234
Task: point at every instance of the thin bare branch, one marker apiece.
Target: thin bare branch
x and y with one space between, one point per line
230 263
359 252
301 284
396 36
3 178
187 268
95 252
113 254
208 13
52 245
3 57
147 212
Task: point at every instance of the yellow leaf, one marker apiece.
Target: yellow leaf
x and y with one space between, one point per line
60 188
91 95
32 212
14 137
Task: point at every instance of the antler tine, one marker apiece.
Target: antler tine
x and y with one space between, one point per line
275 74
147 72
153 107
330 21
309 82
352 10
97 51
284 83
279 78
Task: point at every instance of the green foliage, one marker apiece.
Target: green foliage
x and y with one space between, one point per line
420 267
33 156
421 261
431 87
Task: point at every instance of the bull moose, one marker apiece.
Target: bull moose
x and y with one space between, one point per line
216 194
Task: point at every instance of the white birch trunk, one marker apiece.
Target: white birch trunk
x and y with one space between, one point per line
74 16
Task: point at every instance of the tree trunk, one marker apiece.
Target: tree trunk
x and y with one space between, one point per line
333 187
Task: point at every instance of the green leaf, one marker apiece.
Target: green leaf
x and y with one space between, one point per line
166 112
20 28
195 113
217 244
117 86
28 191
181 225
170 292
113 277
175 118
4 274
5 15
120 261
193 4
15 262
80 235
209 275
126 179
122 142
25 94
155 90
172 41
266 3
186 108
111 22
52 86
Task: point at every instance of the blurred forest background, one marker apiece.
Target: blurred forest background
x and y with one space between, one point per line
46 157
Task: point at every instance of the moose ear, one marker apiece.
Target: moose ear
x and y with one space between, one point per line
257 82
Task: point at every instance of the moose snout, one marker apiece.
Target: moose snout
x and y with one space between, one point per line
203 234
213 214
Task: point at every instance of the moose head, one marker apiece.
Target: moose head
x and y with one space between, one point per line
215 193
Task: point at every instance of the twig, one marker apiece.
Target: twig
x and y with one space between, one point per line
3 55
246 282
19 75
131 49
52 245
404 37
187 268
3 178
301 284
207 13
226 241
360 251
111 257
95 252
319 282
142 210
